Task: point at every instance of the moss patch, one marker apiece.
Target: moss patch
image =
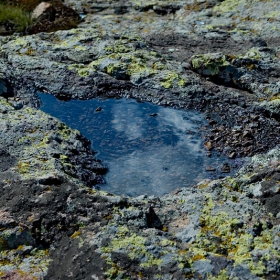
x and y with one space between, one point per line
16 17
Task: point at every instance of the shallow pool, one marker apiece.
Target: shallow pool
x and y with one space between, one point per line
148 149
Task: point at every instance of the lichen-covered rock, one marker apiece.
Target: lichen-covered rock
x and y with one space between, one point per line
213 231
209 64
45 148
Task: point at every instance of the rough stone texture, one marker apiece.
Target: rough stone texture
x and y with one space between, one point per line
221 57
43 7
52 17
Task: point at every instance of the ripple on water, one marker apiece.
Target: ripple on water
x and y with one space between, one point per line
148 149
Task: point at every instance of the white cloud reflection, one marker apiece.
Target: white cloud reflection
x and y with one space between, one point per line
156 169
126 119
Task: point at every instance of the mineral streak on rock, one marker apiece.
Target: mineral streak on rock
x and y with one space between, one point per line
40 9
221 57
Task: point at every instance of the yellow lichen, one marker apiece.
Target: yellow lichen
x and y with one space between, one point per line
76 234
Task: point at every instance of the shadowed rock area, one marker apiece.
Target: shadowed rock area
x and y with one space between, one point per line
219 57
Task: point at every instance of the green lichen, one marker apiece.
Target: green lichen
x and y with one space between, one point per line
211 62
35 160
118 48
83 72
151 261
137 67
30 111
117 70
253 53
203 185
125 65
158 65
227 6
168 79
273 14
64 131
5 103
63 157
233 184
182 82
36 167
80 48
210 26
221 276
167 242
34 264
123 61
137 247
223 235
133 244
81 69
43 143
23 167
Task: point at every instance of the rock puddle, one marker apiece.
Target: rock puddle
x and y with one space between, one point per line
149 149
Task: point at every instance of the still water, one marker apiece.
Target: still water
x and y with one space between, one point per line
148 149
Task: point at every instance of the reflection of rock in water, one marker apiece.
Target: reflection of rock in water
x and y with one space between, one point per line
148 149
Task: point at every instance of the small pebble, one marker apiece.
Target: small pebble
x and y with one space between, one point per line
225 168
210 168
232 155
208 146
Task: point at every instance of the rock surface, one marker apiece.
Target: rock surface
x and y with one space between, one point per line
43 7
221 57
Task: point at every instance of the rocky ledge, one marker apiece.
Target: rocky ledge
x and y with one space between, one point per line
221 57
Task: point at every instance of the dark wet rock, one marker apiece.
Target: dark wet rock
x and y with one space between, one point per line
232 155
17 105
272 204
242 271
6 160
12 239
153 114
124 261
68 262
166 9
202 269
153 220
225 168
3 87
219 264
210 168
